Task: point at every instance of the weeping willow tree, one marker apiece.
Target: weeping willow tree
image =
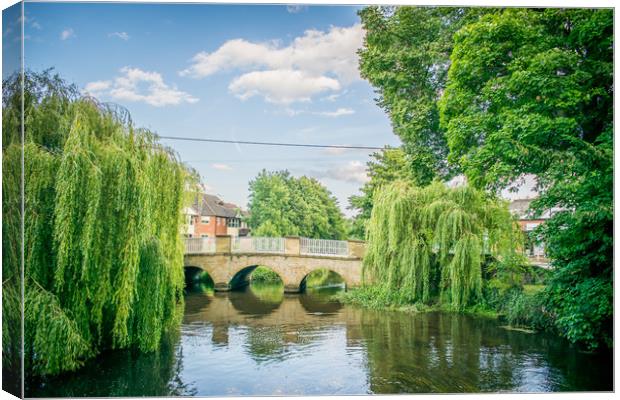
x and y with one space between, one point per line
103 257
431 242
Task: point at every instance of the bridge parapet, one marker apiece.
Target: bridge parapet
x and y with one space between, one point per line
290 245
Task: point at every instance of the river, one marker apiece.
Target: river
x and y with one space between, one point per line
260 341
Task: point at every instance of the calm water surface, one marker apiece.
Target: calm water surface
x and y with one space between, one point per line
262 342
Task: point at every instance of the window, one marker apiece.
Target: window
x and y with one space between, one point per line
205 219
234 222
204 236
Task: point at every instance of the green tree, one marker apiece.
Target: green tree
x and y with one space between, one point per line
388 165
282 205
103 258
531 92
406 56
431 241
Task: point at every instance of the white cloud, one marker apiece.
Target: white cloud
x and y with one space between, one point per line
295 8
292 112
281 86
353 171
313 63
67 34
338 113
120 35
333 97
140 86
96 87
221 167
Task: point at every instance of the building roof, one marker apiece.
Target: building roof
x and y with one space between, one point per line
208 204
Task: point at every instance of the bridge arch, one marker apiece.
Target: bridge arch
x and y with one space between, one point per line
194 274
241 277
313 277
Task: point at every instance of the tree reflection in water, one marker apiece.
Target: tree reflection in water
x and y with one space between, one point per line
122 373
447 353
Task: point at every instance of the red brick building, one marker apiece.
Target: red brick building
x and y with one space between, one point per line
209 216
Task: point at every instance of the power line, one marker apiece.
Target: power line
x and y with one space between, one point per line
324 146
259 160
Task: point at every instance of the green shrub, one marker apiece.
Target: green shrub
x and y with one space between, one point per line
264 275
583 312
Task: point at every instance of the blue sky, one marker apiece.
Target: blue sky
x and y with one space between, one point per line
261 73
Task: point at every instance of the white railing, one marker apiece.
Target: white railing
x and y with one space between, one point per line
307 246
199 245
257 245
323 247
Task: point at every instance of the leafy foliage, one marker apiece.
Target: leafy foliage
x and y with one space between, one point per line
103 200
500 93
430 240
388 165
321 278
264 274
406 56
537 98
282 205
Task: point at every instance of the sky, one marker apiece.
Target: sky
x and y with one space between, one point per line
235 72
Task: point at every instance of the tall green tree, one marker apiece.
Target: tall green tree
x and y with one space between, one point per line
282 205
531 92
103 258
406 56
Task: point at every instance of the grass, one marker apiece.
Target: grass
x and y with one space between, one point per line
376 298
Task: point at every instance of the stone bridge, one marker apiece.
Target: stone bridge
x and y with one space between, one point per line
230 260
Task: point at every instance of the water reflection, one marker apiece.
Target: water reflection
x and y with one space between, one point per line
257 300
262 342
438 352
121 373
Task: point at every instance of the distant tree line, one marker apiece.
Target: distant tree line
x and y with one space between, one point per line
283 205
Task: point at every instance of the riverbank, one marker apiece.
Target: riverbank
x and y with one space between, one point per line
520 308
